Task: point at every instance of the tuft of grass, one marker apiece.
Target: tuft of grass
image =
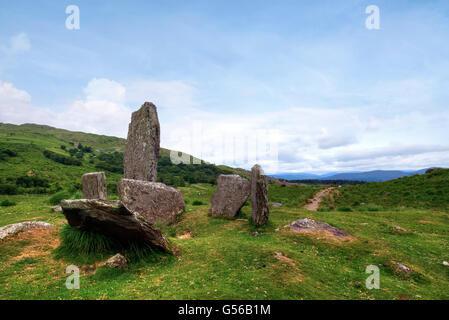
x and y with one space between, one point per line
77 195
197 203
57 197
344 209
87 247
7 203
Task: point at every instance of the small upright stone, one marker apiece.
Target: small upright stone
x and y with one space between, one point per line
232 193
259 196
142 145
94 186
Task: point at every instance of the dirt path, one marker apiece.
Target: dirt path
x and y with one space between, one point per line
315 202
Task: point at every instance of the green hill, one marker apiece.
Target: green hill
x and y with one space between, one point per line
427 191
42 159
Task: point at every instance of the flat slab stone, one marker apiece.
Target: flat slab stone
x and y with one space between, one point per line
142 144
94 185
232 193
13 229
309 225
154 201
112 218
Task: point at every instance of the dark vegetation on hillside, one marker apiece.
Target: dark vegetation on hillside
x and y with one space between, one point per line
326 182
39 159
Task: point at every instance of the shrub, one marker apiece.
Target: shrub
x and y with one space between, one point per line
57 197
370 208
7 203
8 189
61 159
77 195
344 209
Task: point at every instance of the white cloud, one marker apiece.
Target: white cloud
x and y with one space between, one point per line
313 140
105 90
166 94
17 44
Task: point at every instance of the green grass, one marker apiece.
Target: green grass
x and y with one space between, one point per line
87 247
223 260
292 196
419 191
402 221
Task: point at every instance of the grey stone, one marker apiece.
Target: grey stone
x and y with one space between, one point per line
309 225
142 145
118 262
232 193
94 185
113 219
259 196
15 228
154 201
276 204
404 268
56 208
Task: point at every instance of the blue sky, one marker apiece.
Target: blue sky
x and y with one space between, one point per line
339 96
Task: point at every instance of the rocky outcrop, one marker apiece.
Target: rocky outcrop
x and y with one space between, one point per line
15 228
309 225
142 145
232 193
154 201
94 185
259 196
113 219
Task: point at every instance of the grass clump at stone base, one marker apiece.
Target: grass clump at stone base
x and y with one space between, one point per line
83 247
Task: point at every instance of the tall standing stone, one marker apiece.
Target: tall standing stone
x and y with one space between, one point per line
259 196
232 193
142 145
94 185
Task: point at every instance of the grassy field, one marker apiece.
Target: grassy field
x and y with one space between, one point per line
428 191
222 260
401 221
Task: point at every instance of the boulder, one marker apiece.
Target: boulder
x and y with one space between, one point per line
113 219
259 196
309 225
142 145
232 193
154 201
117 262
94 185
12 229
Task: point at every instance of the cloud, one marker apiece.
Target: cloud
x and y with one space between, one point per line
17 44
303 139
105 90
104 109
166 94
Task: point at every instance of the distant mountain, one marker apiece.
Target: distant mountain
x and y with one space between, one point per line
369 176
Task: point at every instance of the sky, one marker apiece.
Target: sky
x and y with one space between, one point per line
297 86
